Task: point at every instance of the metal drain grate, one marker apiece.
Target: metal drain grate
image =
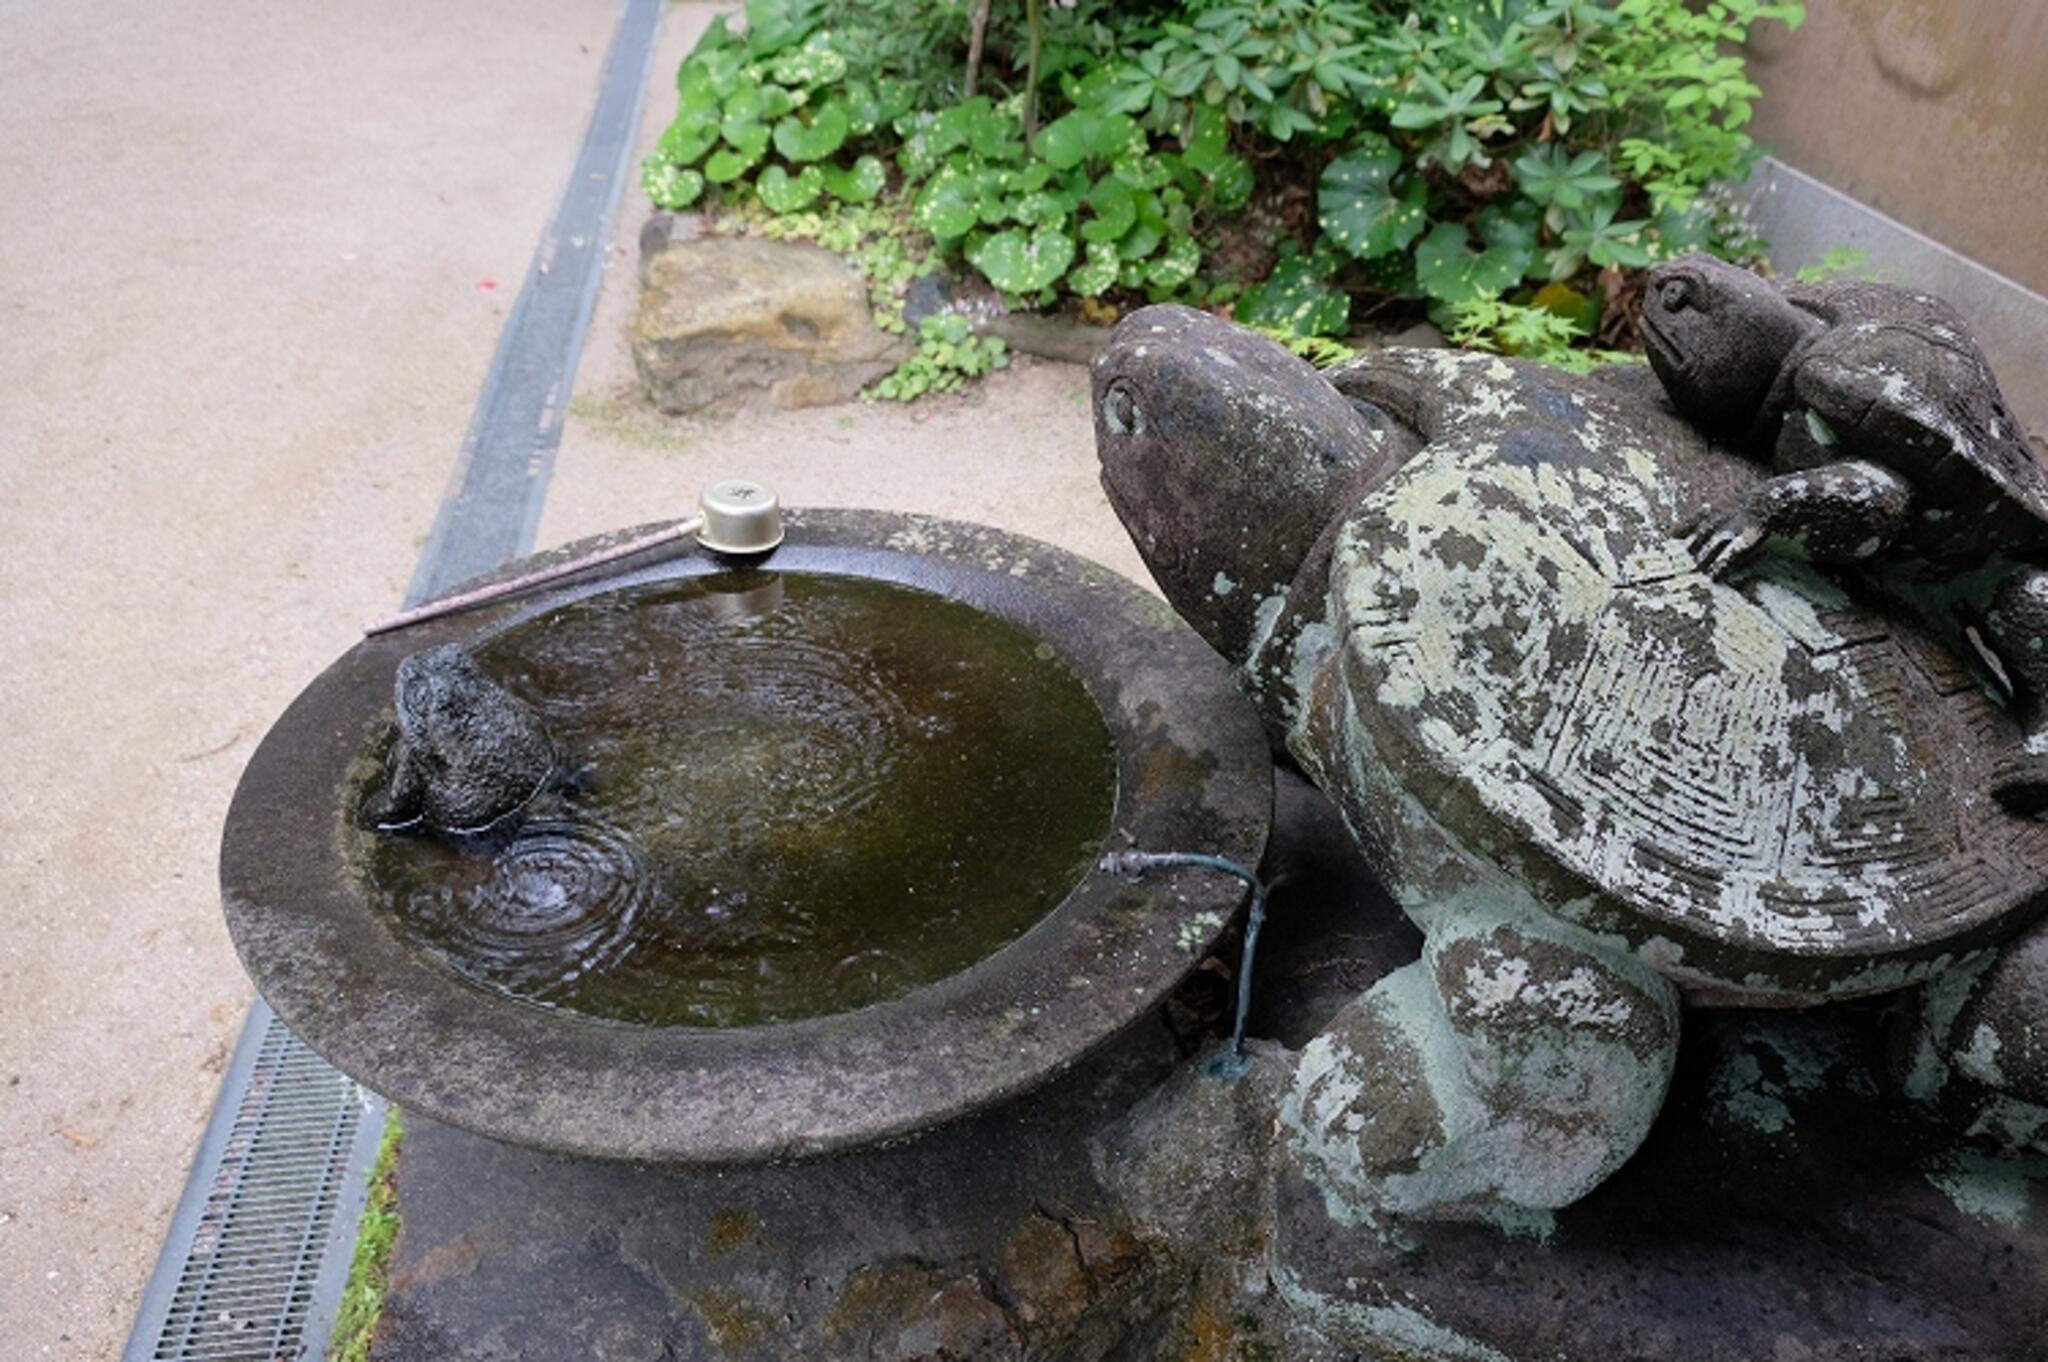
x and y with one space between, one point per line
270 1213
258 1252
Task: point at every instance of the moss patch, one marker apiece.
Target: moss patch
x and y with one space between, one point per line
362 1300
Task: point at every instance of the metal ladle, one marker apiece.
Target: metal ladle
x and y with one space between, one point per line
737 516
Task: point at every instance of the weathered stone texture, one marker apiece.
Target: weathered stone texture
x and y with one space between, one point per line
728 323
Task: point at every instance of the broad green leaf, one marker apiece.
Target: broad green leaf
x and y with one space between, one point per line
773 25
1358 206
815 63
825 134
1154 226
670 186
1511 227
979 126
1096 273
1450 271
1016 263
750 104
1682 229
748 139
1088 135
1296 298
1230 187
1115 208
783 193
1176 265
1042 208
858 183
727 164
1143 172
685 142
1208 141
947 205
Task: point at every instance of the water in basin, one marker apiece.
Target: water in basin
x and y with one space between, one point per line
796 794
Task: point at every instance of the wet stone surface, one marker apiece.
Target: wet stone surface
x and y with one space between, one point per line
1790 1204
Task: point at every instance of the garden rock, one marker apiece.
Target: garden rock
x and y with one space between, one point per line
1054 338
729 323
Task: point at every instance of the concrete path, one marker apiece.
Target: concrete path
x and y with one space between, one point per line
255 262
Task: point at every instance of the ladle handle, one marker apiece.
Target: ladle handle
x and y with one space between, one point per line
512 586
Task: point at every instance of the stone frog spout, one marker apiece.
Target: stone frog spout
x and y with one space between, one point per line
469 753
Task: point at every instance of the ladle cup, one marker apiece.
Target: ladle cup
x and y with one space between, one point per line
738 516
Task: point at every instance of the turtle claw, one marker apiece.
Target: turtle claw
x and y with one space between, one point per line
2020 786
1723 544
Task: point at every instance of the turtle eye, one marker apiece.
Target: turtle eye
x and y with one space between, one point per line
1675 294
1120 410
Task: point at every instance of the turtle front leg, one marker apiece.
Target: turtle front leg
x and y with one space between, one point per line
2017 629
1836 513
1511 1069
401 801
1987 1022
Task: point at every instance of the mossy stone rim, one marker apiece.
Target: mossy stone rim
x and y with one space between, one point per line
1193 773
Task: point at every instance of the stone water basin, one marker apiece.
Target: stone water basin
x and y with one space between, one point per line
823 873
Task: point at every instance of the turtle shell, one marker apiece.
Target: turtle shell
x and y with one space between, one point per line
1773 792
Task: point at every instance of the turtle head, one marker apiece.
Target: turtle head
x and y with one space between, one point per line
1225 456
1718 335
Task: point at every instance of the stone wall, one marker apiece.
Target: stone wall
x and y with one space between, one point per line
1933 111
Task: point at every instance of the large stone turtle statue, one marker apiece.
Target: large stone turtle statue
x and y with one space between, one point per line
1605 782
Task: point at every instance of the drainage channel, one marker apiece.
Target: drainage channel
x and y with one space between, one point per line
258 1251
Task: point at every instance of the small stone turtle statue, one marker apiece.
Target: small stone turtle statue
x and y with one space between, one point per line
469 753
1607 784
1893 448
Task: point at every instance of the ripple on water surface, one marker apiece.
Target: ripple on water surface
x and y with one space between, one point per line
793 795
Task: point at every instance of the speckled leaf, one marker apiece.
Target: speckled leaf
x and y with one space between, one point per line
1095 274
1230 186
1016 263
783 193
1358 205
823 135
815 63
1176 265
1042 209
858 183
1296 297
872 106
1115 208
977 125
687 140
670 186
1143 172
1450 271
946 206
